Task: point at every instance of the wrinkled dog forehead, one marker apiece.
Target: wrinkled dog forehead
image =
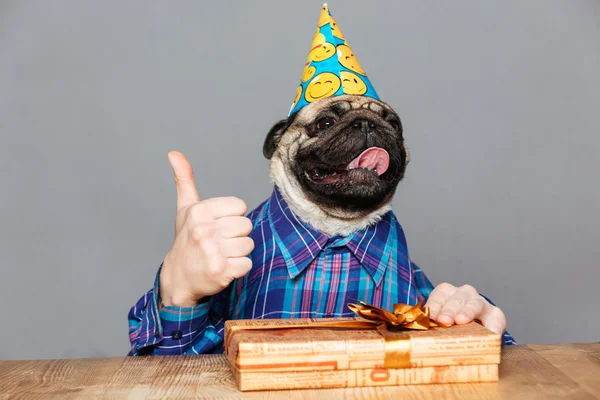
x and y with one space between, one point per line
340 105
296 135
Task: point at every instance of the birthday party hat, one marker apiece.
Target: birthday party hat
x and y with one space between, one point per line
331 68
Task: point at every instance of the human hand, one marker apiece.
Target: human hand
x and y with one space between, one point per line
451 305
211 242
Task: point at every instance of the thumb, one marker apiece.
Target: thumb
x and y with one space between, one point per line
184 180
494 319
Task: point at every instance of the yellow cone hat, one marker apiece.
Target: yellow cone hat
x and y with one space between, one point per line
331 68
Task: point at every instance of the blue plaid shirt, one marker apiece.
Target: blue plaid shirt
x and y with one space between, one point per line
298 272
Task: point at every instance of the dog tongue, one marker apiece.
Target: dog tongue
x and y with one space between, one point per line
373 158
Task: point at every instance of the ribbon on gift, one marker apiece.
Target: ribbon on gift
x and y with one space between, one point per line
392 326
402 316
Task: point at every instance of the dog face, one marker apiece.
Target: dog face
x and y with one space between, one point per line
344 155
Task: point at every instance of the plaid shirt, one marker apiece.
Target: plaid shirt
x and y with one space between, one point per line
298 272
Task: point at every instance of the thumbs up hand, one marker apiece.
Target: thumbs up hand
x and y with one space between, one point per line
211 242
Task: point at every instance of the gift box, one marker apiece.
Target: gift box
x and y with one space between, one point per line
252 381
348 352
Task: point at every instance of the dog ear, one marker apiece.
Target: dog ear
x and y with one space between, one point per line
273 137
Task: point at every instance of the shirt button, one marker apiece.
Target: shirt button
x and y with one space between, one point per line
176 335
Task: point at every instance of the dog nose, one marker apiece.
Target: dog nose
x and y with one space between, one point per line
364 125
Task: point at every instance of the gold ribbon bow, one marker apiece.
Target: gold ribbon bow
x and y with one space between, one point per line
402 316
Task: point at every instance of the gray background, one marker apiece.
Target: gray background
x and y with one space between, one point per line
499 100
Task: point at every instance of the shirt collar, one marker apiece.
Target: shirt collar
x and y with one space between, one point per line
300 243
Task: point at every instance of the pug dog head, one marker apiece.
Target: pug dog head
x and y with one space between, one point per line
337 162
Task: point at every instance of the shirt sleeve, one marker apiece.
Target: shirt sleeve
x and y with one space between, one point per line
176 330
424 289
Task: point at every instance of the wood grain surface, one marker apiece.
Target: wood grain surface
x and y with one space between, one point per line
562 371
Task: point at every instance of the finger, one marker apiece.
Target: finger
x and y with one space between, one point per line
472 310
238 267
237 247
438 297
220 207
184 180
452 305
231 227
494 319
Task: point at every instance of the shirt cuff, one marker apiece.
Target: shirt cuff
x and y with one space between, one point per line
179 327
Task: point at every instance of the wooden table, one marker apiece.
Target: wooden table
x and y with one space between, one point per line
564 371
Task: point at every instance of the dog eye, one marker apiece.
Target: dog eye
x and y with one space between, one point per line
325 123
